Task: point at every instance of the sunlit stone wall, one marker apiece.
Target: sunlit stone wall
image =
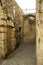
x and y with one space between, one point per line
39 31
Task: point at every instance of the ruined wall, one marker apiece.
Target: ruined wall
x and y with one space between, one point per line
7 29
11 24
39 31
18 19
29 28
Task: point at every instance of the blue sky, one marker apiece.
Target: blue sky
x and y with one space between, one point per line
27 4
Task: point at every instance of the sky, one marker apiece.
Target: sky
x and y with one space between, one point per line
28 6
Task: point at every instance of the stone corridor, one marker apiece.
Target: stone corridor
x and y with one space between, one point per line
18 29
24 55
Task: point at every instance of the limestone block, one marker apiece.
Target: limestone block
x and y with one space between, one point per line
2 22
3 29
13 33
3 36
13 44
3 49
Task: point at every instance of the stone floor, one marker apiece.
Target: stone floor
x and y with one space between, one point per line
24 55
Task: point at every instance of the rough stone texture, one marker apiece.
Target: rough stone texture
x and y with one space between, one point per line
29 28
11 24
18 21
6 28
39 32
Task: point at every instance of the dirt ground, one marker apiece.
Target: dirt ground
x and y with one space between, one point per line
24 55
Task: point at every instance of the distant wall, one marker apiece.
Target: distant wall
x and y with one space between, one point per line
29 29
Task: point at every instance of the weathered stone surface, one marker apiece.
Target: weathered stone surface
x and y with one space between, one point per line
6 28
18 21
29 28
39 32
11 24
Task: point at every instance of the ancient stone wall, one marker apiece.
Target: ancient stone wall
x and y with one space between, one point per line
18 20
7 29
39 31
29 28
11 24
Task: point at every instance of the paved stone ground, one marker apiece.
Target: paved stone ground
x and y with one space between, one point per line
24 55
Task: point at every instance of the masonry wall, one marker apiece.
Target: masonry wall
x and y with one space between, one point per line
7 30
18 23
29 29
11 24
39 32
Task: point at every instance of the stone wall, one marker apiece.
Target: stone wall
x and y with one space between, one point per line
39 32
7 29
18 21
11 24
29 28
